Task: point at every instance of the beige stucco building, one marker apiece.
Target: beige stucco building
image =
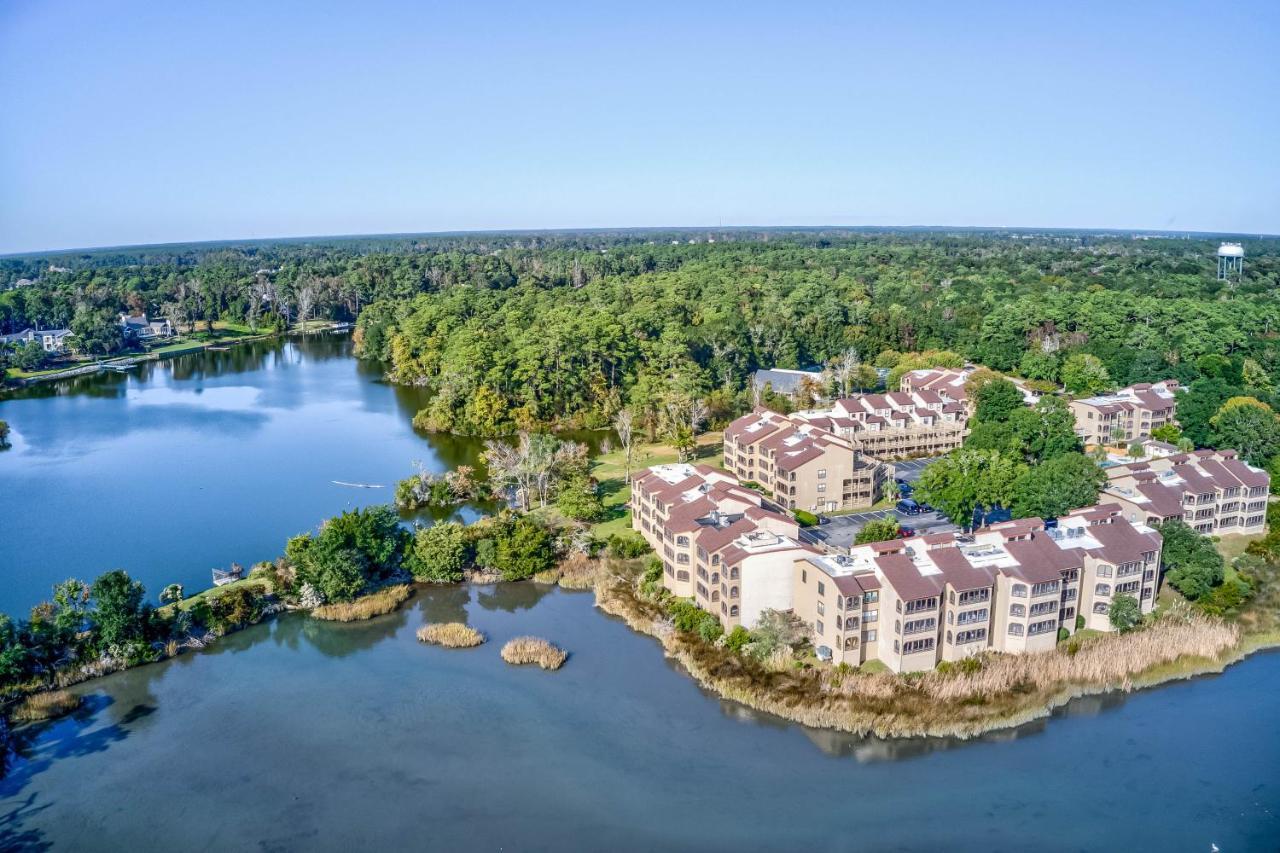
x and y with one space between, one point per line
802 465
718 543
1127 415
1213 491
1007 588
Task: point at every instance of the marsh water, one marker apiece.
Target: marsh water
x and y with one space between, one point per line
299 735
183 465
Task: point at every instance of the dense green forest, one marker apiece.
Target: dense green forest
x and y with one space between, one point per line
513 330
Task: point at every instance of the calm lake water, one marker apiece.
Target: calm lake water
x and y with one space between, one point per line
298 735
201 460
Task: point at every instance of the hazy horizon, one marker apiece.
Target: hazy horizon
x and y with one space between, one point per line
132 124
642 229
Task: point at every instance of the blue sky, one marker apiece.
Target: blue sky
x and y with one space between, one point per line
132 122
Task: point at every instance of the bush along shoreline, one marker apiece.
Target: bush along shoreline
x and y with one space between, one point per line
356 566
363 564
771 668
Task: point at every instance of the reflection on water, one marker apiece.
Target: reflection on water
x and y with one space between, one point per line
203 459
329 736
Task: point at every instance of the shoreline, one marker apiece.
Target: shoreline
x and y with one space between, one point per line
790 706
614 597
132 360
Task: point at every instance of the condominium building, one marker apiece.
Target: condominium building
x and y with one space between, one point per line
1213 491
718 544
948 382
1009 587
899 424
1127 415
801 464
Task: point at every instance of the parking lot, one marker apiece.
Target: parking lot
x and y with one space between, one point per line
910 469
840 531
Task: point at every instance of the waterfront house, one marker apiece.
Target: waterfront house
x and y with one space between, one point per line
137 327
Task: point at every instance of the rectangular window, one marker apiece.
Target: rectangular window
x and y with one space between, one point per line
869 636
822 588
822 611
915 646
818 626
870 615
822 473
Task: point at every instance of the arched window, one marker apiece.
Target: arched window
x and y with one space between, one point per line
1102 589
715 595
1017 610
682 540
733 592
682 576
733 573
839 623
948 638
1019 590
733 611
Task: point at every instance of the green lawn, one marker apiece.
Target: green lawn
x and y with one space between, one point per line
189 602
610 471
1233 546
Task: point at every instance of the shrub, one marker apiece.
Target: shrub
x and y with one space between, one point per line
486 553
579 499
525 650
349 551
737 639
439 553
228 610
45 706
366 607
523 549
878 530
1193 565
806 519
627 546
1063 635
453 635
1125 613
710 630
651 579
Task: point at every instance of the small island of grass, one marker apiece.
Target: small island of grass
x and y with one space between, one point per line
451 635
534 650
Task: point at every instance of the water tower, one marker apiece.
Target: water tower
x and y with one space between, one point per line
1230 262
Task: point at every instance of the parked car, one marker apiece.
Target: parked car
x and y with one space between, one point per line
905 489
909 507
906 532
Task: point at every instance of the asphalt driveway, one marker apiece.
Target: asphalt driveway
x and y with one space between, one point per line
839 532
